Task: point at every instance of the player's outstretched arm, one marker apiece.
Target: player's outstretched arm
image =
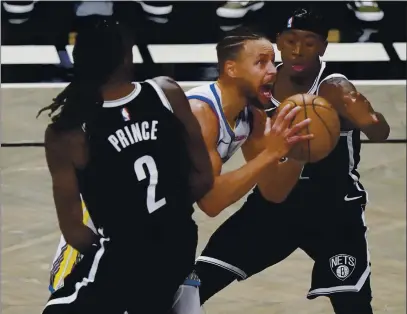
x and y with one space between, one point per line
232 186
201 177
278 179
65 189
354 107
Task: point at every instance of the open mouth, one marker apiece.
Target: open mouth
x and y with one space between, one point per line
265 90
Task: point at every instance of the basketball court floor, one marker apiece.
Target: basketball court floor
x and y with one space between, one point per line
29 230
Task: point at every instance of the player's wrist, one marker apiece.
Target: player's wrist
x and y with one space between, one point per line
270 157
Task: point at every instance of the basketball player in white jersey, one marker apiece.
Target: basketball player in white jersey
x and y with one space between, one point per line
227 110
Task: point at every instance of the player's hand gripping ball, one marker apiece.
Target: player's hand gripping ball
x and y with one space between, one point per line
324 125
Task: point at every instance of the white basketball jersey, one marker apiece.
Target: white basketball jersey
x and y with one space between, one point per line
229 140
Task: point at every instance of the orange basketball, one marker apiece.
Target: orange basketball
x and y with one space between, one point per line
324 125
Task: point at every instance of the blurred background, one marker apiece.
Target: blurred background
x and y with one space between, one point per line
368 38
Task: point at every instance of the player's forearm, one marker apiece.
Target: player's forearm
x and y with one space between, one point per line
228 188
379 131
278 180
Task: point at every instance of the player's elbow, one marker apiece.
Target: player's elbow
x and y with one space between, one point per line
207 181
203 184
280 198
274 195
209 208
379 131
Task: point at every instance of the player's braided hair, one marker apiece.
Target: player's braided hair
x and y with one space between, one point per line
230 46
99 51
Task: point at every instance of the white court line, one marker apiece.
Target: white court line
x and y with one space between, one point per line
190 53
401 50
206 53
12 170
192 84
29 55
137 58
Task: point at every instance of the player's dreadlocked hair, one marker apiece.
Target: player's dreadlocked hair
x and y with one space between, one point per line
98 53
230 46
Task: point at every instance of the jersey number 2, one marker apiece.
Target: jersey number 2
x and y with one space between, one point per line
152 204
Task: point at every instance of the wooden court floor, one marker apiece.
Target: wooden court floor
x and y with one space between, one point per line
29 231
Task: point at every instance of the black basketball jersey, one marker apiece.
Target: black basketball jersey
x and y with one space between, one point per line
137 175
341 164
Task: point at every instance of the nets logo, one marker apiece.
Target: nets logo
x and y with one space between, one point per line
342 265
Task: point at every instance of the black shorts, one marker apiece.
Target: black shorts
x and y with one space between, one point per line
112 278
331 231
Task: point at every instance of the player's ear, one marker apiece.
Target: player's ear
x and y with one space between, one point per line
230 68
279 42
322 49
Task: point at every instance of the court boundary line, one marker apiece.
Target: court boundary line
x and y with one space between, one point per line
191 84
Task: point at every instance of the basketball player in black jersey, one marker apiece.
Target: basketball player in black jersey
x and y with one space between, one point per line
323 212
135 154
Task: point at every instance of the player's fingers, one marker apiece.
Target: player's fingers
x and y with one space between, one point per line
280 117
298 127
299 138
291 115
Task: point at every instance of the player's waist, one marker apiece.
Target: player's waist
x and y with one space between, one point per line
329 175
340 190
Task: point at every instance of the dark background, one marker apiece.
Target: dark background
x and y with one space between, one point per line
52 22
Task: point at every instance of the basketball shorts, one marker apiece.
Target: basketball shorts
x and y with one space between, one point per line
66 257
332 232
114 277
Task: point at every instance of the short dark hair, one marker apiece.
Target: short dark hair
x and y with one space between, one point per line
98 52
230 46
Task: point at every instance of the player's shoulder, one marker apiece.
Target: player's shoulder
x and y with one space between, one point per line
331 78
201 91
165 82
330 74
53 136
203 105
202 98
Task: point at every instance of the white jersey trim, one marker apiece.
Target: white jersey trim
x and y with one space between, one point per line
166 103
124 100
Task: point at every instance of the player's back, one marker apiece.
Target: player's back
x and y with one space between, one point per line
136 179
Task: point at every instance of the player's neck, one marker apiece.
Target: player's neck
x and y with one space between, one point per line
233 101
114 91
301 84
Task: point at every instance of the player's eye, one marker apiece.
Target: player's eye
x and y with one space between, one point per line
290 41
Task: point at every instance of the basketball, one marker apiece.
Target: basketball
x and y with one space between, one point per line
324 125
